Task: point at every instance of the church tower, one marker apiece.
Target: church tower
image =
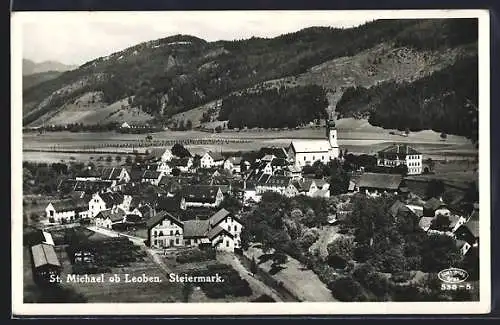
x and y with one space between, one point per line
331 134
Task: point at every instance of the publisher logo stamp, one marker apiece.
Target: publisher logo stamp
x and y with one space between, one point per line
453 275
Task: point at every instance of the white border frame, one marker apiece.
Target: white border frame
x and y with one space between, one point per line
307 308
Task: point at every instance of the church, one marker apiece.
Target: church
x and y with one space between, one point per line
306 152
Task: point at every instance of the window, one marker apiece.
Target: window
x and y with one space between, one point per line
227 243
235 228
52 213
322 157
304 158
171 232
177 241
156 242
161 233
314 158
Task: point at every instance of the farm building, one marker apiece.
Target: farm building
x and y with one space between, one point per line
66 211
434 207
151 176
160 154
401 154
374 184
45 262
306 152
115 175
233 164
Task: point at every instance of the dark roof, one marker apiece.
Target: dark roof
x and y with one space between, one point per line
473 226
279 181
69 205
44 254
216 231
166 203
399 149
135 174
110 173
433 204
216 156
218 217
398 207
114 217
235 160
279 162
195 228
151 174
200 193
380 181
112 198
278 152
145 211
159 217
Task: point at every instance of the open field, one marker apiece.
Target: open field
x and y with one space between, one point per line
357 136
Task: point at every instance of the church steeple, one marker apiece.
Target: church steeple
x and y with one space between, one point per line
331 135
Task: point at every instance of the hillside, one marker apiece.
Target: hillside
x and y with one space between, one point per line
34 79
30 67
176 74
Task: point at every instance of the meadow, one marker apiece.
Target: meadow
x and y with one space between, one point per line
357 136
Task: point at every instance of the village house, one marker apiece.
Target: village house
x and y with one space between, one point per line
88 174
66 211
276 152
202 196
164 230
144 211
106 201
293 171
161 155
375 184
401 154
312 187
173 185
221 231
278 184
152 177
233 164
211 159
164 168
306 152
116 175
467 236
171 204
108 218
125 125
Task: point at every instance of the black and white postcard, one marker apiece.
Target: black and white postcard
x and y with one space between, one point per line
250 162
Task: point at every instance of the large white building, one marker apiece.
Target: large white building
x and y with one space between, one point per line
306 152
401 154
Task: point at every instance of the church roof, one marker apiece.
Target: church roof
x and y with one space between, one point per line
310 145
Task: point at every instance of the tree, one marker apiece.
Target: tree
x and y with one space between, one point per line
438 253
231 204
443 136
176 171
253 266
128 160
179 151
149 137
189 125
342 247
435 188
430 163
407 131
109 159
279 258
118 158
347 289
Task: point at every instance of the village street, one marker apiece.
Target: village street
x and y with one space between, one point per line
255 283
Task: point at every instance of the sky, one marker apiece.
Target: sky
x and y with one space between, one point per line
76 38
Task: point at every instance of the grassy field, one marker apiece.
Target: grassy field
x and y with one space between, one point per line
357 136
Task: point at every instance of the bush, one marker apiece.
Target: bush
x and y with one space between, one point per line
347 289
263 298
